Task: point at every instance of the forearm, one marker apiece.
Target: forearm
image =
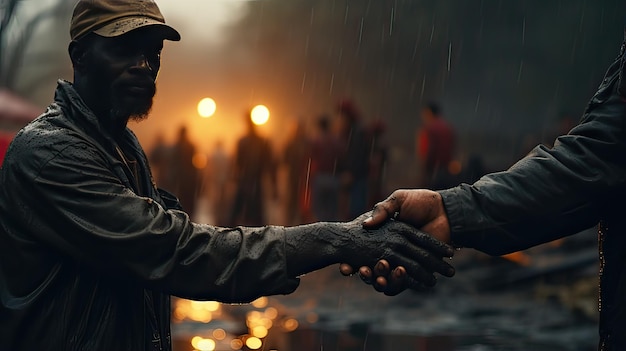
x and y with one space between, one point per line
314 246
551 192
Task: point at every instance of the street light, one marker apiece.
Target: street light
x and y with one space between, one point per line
260 115
206 107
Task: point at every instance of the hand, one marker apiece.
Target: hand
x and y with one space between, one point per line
423 208
415 254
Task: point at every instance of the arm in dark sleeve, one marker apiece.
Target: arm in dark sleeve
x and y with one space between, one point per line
85 213
550 193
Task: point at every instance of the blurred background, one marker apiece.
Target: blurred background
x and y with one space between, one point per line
347 100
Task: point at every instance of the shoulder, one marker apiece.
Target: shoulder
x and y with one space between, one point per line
49 136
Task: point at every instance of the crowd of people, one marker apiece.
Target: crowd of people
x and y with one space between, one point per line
333 170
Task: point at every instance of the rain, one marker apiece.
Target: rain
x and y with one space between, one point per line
507 75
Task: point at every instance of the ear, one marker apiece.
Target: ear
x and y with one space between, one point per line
78 53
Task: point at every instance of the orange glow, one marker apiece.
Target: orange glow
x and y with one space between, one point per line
254 343
290 324
199 160
236 344
271 313
199 311
203 344
219 334
259 331
206 107
260 302
260 115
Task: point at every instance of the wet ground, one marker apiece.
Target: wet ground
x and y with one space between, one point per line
548 301
491 304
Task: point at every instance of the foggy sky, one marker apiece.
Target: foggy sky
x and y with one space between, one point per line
498 67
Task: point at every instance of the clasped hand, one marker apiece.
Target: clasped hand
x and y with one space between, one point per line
422 209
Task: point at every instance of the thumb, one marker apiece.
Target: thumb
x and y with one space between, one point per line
383 211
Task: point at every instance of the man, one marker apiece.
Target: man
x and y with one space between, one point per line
90 250
254 161
551 193
435 147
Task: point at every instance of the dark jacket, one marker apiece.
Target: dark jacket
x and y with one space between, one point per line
556 192
89 252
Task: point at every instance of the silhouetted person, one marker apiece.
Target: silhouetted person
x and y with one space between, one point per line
355 162
160 162
436 142
296 157
219 171
325 154
186 174
254 162
377 161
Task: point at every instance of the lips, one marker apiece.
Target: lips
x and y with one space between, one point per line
139 89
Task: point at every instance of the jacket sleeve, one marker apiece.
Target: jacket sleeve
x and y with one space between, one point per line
81 210
550 193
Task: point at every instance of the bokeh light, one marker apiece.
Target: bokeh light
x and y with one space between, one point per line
207 107
259 331
203 344
254 343
236 344
219 334
290 324
260 302
260 115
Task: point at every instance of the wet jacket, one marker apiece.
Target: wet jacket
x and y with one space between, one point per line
556 192
89 252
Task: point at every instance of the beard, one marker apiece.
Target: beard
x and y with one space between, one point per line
125 107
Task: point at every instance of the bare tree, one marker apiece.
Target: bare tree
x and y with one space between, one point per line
12 57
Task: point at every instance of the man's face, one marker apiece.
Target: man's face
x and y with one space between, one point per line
124 69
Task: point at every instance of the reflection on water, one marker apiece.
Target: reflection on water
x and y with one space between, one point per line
359 339
549 311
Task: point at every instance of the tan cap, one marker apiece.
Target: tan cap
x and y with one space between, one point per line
111 18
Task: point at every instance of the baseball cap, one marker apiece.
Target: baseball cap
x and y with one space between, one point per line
111 18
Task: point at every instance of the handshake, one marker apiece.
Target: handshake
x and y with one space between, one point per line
396 271
398 245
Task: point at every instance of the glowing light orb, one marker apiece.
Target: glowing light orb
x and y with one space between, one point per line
206 107
260 115
254 343
259 331
260 302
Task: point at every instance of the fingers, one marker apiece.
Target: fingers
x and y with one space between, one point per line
365 273
381 270
422 239
390 208
398 282
429 261
346 269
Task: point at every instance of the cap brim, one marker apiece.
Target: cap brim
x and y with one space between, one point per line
125 25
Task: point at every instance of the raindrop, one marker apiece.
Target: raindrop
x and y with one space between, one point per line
449 55
332 82
303 82
477 102
432 32
423 85
361 32
519 73
391 20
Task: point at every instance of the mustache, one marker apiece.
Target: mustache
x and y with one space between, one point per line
146 83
